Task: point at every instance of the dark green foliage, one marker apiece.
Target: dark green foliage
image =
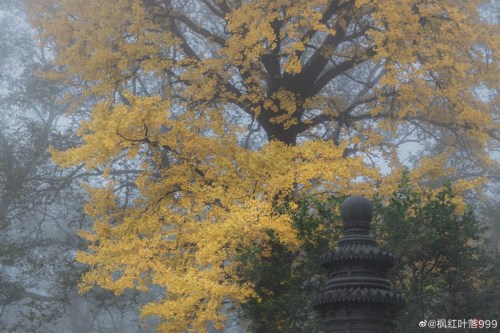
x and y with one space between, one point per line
287 281
442 268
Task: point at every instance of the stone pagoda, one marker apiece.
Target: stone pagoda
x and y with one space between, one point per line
358 296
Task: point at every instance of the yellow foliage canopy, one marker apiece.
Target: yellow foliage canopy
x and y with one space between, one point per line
191 217
229 109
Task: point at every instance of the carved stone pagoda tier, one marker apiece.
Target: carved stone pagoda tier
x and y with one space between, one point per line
358 296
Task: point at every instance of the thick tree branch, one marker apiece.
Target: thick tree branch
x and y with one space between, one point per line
337 70
330 10
271 61
318 61
220 13
201 31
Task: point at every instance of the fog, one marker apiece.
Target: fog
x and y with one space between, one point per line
41 204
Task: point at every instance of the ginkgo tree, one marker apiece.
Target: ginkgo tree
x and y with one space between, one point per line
231 109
